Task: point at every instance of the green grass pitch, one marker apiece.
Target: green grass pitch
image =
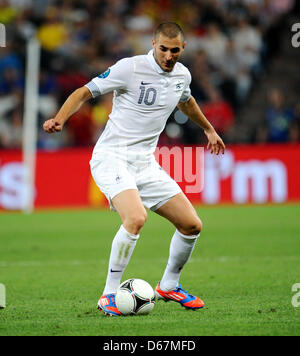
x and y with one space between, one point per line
53 265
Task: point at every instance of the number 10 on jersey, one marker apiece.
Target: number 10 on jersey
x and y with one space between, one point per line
147 96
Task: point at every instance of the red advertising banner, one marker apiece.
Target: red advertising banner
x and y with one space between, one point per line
245 174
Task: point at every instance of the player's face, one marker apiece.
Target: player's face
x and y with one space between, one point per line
167 51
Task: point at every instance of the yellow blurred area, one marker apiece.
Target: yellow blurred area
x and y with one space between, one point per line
52 36
99 115
7 14
101 111
95 197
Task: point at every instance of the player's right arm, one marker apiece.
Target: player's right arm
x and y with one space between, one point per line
70 106
116 77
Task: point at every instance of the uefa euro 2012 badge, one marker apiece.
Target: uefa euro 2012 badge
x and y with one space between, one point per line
104 74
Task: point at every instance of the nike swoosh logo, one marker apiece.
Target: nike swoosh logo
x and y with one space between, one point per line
143 83
114 271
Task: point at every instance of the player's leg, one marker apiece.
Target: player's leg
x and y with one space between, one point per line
179 211
112 176
131 210
129 206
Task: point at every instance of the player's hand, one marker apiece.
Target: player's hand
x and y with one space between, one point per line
215 143
52 125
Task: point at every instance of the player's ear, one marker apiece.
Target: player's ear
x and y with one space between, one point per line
153 42
184 44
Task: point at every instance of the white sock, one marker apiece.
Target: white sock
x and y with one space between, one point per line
181 248
121 250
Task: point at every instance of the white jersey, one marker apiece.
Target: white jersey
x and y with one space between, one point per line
144 98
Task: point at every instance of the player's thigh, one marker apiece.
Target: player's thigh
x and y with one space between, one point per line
129 206
181 213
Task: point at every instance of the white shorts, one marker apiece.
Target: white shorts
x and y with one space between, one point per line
113 175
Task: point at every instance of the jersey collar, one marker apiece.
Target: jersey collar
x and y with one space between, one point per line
152 60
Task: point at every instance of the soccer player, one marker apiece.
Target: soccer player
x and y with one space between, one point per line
147 88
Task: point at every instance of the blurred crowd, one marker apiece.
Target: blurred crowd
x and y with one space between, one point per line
229 45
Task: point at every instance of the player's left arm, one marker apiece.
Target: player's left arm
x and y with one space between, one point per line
192 110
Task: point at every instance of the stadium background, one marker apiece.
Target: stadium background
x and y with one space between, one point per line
245 78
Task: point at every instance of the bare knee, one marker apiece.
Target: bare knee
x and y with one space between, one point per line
192 227
133 224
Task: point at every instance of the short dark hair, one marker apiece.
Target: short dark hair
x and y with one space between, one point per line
169 29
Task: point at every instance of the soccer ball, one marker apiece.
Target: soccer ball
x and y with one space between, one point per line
135 296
